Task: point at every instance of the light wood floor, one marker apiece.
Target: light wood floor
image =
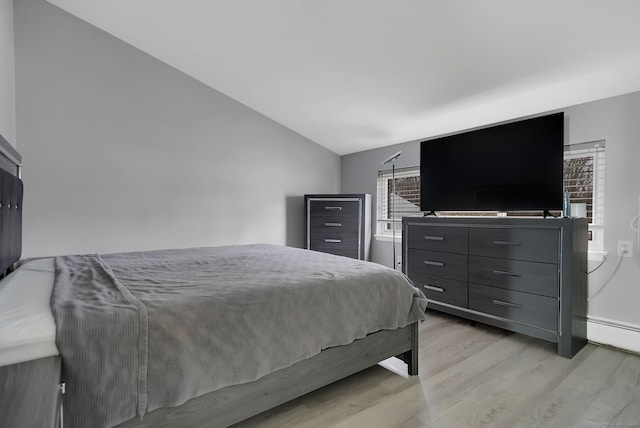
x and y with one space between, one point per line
477 376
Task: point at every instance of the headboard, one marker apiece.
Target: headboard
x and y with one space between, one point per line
11 191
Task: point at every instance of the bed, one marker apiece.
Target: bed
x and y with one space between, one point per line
315 318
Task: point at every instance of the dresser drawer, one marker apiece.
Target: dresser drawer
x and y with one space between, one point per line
445 290
334 224
333 240
436 263
531 277
334 208
339 251
450 239
341 246
539 245
526 308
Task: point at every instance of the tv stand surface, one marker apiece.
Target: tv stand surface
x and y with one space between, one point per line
526 275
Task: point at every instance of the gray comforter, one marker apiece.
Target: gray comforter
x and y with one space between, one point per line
140 331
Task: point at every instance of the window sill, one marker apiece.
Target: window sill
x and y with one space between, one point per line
388 238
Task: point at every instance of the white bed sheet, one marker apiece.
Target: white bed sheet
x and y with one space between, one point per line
27 328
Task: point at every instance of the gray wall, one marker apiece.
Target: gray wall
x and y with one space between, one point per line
614 120
7 74
122 152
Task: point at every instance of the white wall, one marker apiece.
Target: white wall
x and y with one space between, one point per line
7 74
122 152
614 120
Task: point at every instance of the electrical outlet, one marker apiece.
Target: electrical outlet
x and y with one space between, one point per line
625 248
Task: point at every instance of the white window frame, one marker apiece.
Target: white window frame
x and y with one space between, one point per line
383 228
596 150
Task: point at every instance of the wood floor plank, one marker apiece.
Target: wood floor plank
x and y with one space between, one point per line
453 342
569 402
495 392
399 410
476 376
618 401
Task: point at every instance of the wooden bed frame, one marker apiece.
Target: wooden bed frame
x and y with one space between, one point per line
38 381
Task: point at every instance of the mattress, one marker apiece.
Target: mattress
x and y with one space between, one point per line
27 328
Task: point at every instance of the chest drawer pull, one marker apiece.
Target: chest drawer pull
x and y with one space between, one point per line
434 288
333 224
508 243
333 208
333 241
505 273
503 303
434 238
430 263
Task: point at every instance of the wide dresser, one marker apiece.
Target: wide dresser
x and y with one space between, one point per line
526 275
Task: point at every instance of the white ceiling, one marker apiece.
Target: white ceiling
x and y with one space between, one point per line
354 75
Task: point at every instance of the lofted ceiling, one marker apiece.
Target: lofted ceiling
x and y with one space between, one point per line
353 75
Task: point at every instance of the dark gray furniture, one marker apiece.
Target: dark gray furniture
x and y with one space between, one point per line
30 394
526 275
339 224
11 189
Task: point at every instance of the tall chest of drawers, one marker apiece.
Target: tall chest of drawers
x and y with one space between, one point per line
339 224
524 275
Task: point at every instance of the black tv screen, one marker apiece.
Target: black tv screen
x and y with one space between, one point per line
510 167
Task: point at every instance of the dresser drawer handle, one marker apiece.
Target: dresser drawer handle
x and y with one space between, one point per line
430 263
508 243
333 208
433 288
509 304
434 238
505 273
333 224
333 241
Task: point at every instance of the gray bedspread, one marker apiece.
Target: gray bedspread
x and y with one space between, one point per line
140 331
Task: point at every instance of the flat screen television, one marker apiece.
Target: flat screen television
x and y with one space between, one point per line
515 166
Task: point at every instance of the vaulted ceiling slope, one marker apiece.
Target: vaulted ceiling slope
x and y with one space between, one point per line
353 75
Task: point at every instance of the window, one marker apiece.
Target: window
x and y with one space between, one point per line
583 179
406 202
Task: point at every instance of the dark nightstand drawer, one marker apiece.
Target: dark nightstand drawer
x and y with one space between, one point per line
334 224
530 277
538 245
436 263
334 208
443 290
339 251
526 308
449 239
329 240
